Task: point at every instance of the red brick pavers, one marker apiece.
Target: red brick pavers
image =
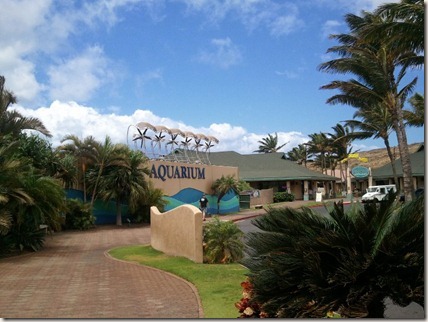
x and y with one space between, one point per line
72 277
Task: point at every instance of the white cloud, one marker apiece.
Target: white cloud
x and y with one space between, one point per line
330 27
224 54
79 77
280 18
64 118
33 34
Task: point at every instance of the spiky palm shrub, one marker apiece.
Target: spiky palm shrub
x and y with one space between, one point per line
303 264
79 215
222 242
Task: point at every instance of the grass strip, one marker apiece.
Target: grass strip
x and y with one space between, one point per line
218 284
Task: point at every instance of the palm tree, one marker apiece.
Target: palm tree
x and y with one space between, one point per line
379 69
222 242
341 140
319 145
223 185
67 171
102 156
13 122
375 123
82 150
403 27
12 193
303 264
415 117
124 179
269 144
298 154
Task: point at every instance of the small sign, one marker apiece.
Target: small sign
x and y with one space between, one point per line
360 172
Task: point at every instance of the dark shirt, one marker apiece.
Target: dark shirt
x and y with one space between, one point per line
203 202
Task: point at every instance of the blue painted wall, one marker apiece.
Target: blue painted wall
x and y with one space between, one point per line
104 212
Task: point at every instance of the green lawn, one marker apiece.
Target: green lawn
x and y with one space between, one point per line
219 285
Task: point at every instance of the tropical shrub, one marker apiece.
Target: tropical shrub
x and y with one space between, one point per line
79 215
151 197
304 264
282 196
222 242
24 237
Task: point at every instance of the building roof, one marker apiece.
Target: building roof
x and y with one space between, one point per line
266 167
417 161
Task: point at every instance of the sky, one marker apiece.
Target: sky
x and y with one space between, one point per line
237 70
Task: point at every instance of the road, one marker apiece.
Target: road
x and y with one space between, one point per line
392 311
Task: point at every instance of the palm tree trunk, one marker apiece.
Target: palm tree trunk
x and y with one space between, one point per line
404 155
392 159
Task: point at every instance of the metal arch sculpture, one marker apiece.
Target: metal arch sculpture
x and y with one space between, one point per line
199 138
158 139
142 128
174 141
188 143
208 145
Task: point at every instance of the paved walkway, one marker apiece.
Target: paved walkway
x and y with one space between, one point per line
73 277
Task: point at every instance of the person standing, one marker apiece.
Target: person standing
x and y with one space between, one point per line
203 204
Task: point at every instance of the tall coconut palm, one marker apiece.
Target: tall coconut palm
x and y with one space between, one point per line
269 144
403 27
13 122
379 69
416 116
124 180
223 185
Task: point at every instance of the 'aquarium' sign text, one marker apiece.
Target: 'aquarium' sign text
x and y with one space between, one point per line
164 172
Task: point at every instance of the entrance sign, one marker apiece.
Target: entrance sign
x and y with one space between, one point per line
360 172
164 172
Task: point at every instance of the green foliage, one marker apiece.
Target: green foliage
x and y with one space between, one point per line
282 196
222 242
304 264
24 237
223 185
151 197
79 215
243 186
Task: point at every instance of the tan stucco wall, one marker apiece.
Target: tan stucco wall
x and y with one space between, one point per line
177 232
266 197
171 186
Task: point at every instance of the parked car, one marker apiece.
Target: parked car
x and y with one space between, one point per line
377 193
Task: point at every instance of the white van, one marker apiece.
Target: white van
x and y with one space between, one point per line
377 193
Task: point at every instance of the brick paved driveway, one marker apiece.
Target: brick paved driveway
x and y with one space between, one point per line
72 277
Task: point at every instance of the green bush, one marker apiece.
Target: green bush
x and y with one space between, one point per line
282 196
140 212
20 238
304 264
222 242
78 215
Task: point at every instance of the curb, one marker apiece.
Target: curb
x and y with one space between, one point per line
259 214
